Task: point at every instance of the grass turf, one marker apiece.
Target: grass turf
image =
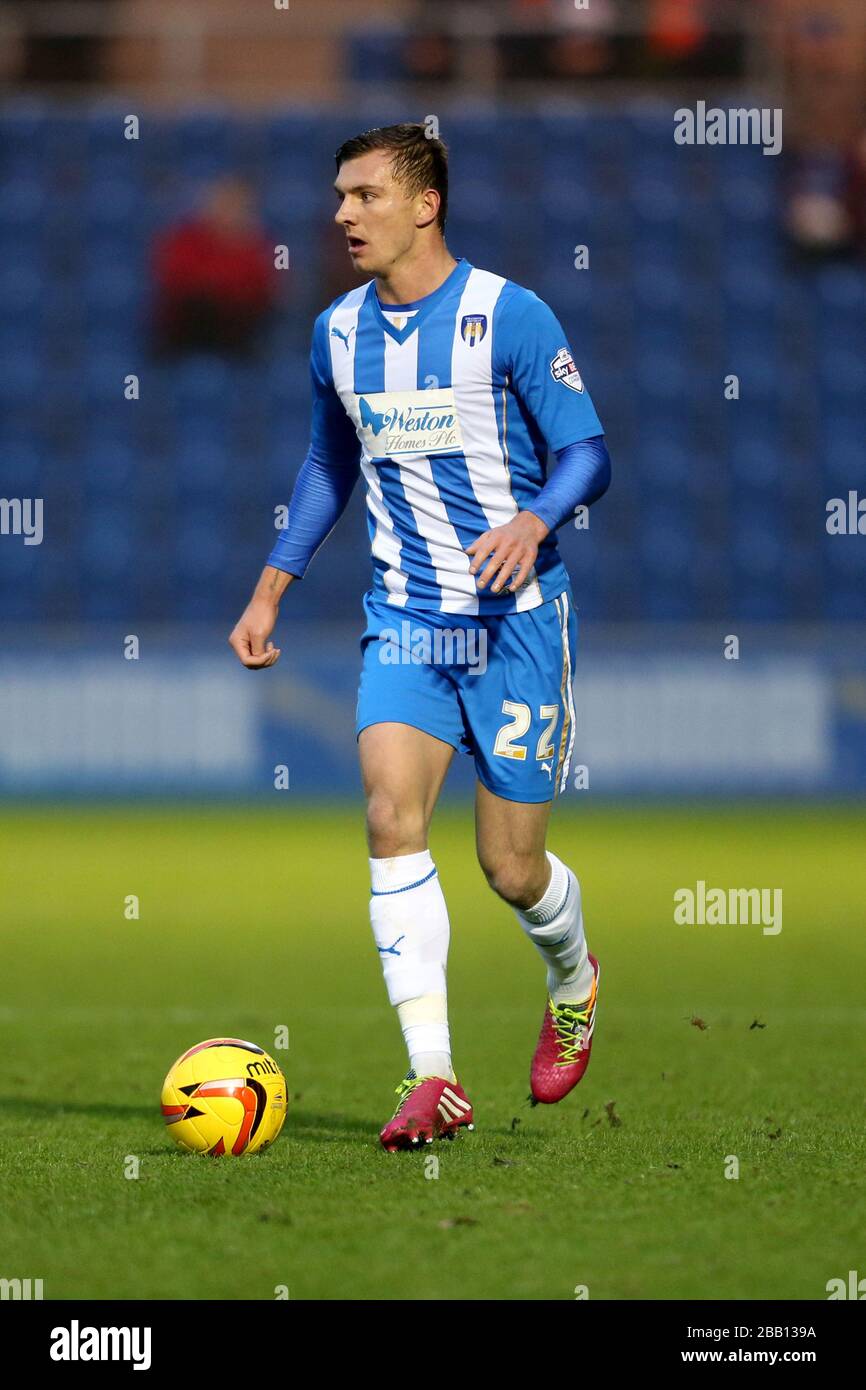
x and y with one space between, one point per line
250 920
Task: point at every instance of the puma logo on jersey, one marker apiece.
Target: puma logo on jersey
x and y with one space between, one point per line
344 337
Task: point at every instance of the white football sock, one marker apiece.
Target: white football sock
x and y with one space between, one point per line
555 927
410 926
425 1028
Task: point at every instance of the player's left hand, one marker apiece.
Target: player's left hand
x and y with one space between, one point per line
513 550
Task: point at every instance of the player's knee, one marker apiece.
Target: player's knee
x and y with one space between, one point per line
393 828
515 877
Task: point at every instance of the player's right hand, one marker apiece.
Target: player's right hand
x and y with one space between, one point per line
249 638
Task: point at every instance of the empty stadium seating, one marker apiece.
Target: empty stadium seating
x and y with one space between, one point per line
162 508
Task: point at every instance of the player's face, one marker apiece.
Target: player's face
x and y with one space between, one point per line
379 220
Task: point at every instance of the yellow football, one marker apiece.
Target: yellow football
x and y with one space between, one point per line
224 1096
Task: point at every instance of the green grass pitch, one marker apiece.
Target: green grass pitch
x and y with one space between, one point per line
251 919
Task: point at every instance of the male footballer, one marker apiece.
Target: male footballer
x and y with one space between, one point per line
446 386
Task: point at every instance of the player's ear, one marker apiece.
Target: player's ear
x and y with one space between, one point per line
427 209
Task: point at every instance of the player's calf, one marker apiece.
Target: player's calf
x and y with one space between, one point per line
554 924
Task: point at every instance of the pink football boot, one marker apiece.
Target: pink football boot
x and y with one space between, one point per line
562 1054
429 1108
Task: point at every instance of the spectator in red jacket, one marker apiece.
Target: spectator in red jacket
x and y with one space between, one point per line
214 276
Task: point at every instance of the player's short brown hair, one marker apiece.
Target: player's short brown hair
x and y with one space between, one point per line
419 160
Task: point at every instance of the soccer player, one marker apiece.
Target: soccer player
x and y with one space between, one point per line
446 386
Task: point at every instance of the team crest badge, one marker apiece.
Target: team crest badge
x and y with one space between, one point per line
472 328
562 369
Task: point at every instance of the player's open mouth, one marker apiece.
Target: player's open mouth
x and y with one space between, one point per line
356 245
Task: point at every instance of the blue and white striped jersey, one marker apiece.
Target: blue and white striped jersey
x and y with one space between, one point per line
450 405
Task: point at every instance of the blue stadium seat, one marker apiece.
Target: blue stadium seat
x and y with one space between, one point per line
754 359
292 134
559 129
665 532
563 199
660 289
23 205
474 196
114 291
115 206
22 466
651 128
657 201
202 143
201 545
839 452
21 569
663 377
202 466
664 466
200 378
105 128
21 374
27 130
749 288
375 54
754 602
107 542
290 201
842 291
748 187
842 368
110 466
569 292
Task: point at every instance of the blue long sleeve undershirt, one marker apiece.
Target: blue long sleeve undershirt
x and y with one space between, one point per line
581 476
319 498
324 485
